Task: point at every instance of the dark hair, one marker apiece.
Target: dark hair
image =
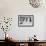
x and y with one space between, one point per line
34 35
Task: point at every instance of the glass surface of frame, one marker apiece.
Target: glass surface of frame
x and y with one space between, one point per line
25 20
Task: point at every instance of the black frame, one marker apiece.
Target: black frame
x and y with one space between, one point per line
26 25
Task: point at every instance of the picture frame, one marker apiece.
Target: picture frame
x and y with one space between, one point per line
25 20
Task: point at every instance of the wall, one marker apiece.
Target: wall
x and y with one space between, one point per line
13 8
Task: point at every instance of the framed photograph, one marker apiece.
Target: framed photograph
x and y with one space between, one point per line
25 20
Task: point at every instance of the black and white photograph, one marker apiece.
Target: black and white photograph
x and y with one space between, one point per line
22 22
25 20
